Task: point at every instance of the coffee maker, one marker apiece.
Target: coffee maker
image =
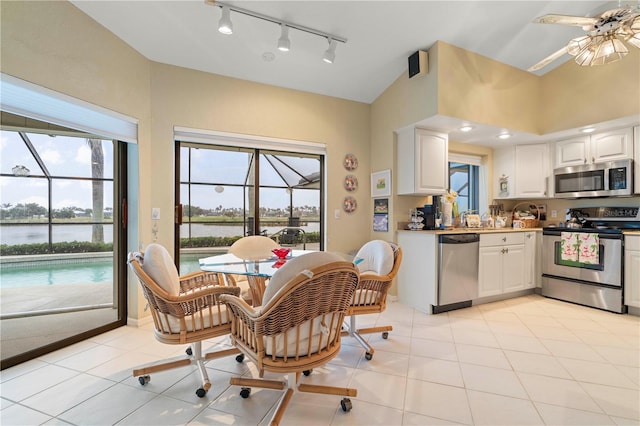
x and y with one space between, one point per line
430 212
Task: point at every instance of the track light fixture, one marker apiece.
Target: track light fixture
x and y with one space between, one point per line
330 54
225 26
283 42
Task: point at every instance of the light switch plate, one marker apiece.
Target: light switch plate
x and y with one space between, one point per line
155 213
336 213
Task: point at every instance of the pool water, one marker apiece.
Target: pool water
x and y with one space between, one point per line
90 272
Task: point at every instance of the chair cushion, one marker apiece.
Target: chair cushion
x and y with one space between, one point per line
320 331
158 264
254 247
293 267
377 258
195 323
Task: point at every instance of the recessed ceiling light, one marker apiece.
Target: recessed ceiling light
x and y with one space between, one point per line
588 129
466 128
504 135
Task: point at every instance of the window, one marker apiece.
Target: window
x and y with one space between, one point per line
464 178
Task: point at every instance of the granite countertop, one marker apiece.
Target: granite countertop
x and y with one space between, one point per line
631 233
473 230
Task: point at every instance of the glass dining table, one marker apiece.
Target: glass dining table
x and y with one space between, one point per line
257 271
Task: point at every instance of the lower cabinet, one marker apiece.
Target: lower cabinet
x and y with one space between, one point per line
632 271
532 270
502 264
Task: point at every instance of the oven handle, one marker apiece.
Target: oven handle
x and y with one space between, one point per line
601 235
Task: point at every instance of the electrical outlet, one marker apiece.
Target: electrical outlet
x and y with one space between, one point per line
155 213
336 214
554 213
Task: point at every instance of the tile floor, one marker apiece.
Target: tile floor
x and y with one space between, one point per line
528 360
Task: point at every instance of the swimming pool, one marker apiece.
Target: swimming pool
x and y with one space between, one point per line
51 273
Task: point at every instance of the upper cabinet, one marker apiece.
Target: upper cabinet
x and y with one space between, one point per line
521 171
597 148
423 165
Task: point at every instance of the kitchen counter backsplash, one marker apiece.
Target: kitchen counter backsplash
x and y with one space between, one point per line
469 230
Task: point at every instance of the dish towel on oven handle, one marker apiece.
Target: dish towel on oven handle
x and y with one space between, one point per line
589 250
569 244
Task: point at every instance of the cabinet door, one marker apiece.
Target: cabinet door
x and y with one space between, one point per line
530 260
432 166
572 152
632 278
613 145
531 171
490 271
513 268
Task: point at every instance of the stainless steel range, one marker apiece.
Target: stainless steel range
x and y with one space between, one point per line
583 261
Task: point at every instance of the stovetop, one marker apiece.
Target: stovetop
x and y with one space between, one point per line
603 220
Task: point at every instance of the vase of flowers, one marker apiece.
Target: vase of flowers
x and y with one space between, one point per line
449 207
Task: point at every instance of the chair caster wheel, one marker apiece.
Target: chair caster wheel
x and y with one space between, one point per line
189 351
368 356
245 392
240 357
307 372
385 335
346 405
201 393
143 380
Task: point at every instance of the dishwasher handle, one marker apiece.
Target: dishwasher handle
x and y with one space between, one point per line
459 239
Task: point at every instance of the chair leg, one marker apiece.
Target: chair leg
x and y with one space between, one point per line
356 334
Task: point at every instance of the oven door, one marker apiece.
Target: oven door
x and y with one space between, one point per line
608 270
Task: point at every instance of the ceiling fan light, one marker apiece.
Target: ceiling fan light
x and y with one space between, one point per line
578 44
610 50
284 44
225 26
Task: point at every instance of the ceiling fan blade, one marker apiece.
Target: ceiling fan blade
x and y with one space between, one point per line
546 61
575 21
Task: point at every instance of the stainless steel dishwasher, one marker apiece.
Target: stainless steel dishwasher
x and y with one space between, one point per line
457 271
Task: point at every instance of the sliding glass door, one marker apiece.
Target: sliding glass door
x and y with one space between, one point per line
61 240
226 193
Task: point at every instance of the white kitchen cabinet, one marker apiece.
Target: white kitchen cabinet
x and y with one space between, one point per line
596 148
531 170
501 263
636 158
526 168
423 167
632 271
417 278
531 263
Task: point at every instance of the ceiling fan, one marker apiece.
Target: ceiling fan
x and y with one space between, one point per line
604 41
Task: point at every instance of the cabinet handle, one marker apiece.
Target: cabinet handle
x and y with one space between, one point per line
506 250
593 159
504 239
585 161
529 236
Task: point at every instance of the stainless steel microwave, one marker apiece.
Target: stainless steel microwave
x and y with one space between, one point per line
609 179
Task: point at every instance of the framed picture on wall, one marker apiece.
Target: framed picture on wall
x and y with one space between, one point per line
381 183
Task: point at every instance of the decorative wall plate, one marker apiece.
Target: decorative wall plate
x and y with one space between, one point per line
350 162
350 183
349 205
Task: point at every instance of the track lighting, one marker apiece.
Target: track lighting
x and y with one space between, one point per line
330 53
225 26
283 42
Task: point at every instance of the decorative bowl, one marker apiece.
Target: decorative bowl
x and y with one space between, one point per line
281 253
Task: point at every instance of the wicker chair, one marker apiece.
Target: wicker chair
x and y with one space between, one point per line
185 310
298 326
377 270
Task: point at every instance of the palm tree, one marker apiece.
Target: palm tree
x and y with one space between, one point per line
97 187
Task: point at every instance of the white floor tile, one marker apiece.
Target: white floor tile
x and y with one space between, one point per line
440 401
561 392
480 355
505 362
20 415
67 394
108 407
492 380
435 370
616 401
556 415
491 409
